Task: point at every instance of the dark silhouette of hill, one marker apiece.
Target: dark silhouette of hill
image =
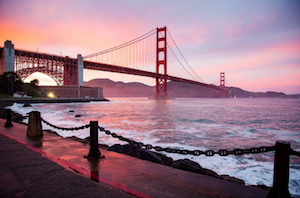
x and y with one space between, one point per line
175 89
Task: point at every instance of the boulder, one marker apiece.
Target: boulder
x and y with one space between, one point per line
188 165
211 173
132 150
117 148
103 146
192 166
27 105
233 179
84 141
50 131
168 161
150 156
137 152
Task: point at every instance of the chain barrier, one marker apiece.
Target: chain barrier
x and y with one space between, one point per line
295 153
223 152
66 129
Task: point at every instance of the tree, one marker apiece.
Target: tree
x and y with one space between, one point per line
34 82
10 83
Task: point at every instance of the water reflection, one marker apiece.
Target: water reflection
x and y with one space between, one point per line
164 125
94 166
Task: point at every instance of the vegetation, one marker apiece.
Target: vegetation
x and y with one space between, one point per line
10 83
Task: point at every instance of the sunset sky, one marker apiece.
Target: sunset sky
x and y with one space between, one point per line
255 42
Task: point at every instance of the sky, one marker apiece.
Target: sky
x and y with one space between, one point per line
256 43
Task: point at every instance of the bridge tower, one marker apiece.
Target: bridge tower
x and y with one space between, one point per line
161 61
222 84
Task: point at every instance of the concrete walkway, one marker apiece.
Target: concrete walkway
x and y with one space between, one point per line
25 171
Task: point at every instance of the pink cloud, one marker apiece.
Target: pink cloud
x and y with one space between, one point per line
274 83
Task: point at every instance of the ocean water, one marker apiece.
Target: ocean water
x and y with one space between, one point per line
194 124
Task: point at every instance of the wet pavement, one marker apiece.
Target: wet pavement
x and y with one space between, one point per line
29 167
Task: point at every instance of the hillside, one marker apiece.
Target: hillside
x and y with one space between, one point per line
175 89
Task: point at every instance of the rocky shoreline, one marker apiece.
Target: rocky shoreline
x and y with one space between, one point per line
135 151
156 157
16 117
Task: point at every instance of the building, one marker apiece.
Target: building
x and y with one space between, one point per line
73 91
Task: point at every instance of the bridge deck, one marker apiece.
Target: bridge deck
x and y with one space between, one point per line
125 70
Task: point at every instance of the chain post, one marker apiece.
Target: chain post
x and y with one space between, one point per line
281 171
34 128
94 149
8 119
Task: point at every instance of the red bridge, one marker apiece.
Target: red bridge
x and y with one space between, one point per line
129 58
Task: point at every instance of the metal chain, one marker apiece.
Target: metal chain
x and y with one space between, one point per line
293 152
223 152
66 129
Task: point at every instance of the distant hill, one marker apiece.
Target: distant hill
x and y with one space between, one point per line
175 89
121 89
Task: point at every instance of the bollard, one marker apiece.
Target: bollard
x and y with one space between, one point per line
94 150
281 171
34 128
8 119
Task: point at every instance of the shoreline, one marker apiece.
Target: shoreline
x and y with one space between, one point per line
132 150
16 117
158 158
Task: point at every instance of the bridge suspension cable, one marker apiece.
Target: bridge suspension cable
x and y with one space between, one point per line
216 81
180 62
183 59
136 53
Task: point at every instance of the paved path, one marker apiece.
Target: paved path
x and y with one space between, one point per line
25 173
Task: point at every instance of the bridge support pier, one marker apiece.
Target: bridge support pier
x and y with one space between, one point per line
7 62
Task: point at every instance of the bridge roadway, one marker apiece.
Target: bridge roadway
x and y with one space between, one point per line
108 67
125 70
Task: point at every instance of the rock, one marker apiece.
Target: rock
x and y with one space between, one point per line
71 111
132 150
188 165
103 146
27 105
150 156
50 131
165 160
233 179
117 148
192 166
77 116
135 151
262 186
84 141
211 173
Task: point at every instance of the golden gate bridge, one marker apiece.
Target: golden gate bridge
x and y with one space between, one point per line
136 57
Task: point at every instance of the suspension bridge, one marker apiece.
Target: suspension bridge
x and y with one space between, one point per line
139 56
